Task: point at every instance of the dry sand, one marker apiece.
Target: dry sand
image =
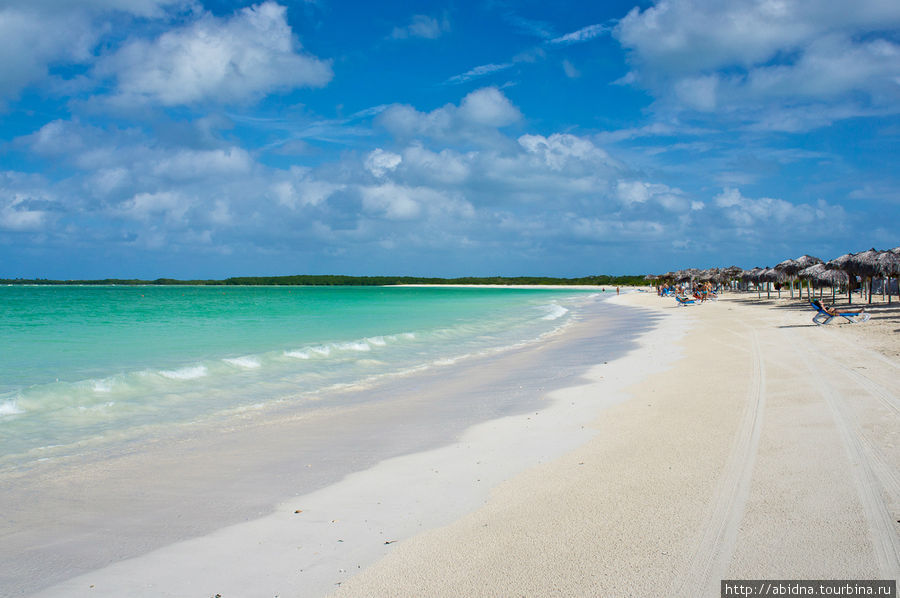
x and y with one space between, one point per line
770 450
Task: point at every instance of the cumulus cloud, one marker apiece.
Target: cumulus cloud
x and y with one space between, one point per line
301 189
480 111
220 60
380 162
35 36
488 107
561 150
169 205
757 59
19 213
437 168
422 26
632 193
770 212
395 202
193 164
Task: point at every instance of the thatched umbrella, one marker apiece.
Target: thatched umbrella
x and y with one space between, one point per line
770 275
730 273
821 274
889 265
789 269
845 264
804 262
752 275
866 265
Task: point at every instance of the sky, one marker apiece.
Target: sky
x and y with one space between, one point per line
216 138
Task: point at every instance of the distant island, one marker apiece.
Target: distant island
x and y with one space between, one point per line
338 280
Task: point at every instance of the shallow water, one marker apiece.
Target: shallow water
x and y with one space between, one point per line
82 367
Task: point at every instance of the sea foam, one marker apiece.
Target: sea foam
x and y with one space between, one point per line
554 311
246 362
188 373
9 408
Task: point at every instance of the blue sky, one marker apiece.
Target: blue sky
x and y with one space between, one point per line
147 138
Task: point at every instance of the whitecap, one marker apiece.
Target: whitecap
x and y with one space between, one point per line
188 373
102 386
245 362
297 354
354 346
9 408
554 311
378 341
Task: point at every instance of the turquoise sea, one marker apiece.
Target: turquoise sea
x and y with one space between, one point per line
82 366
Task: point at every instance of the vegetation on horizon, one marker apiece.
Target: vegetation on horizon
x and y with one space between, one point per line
340 280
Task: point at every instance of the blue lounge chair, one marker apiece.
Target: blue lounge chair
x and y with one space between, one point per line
823 317
684 301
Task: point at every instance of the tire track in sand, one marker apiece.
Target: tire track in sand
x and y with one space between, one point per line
871 471
712 556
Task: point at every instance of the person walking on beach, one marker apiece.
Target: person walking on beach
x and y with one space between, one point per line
617 290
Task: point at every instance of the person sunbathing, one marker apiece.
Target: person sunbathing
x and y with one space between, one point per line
832 311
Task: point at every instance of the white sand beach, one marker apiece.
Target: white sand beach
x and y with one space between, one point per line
769 450
737 441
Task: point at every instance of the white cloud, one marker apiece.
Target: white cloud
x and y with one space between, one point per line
789 64
445 167
422 26
193 164
479 71
379 162
39 34
395 202
168 205
561 149
480 112
698 93
633 193
582 35
488 107
16 215
219 60
770 212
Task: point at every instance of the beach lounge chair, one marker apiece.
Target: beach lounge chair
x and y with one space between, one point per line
685 301
823 317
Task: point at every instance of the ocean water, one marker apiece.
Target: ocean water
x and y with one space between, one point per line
85 366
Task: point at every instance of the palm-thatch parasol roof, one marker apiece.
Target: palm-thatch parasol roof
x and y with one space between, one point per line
889 262
771 275
805 261
733 271
812 272
751 275
844 262
866 262
788 267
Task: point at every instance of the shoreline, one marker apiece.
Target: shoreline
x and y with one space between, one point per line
734 441
280 451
